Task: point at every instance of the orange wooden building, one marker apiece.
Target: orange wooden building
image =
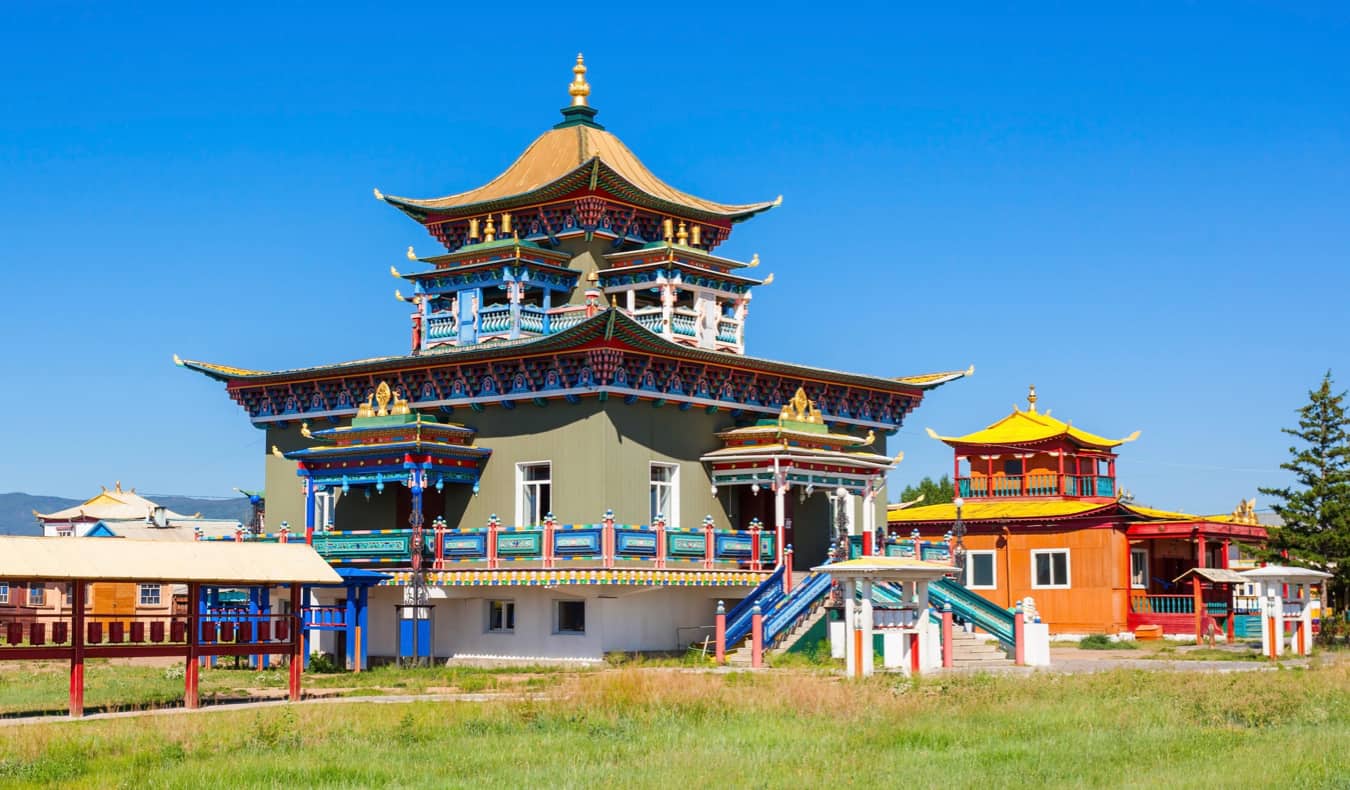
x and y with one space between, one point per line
1042 517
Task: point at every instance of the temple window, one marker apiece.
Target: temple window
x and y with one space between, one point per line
569 617
149 595
1139 568
534 486
665 493
1012 466
1050 568
501 617
981 573
37 595
4 592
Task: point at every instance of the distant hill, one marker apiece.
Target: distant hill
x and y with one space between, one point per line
16 509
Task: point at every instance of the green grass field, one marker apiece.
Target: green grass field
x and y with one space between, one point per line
663 727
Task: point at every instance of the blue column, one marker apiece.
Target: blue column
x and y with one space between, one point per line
254 660
309 510
350 622
265 609
305 593
363 621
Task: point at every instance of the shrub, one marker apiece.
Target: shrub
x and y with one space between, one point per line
322 663
1102 642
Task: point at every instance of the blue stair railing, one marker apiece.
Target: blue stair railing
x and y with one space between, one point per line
768 593
795 607
975 609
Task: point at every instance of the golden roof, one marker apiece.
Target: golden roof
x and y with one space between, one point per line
562 151
1025 427
985 511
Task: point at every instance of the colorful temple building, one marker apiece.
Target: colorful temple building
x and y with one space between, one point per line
1039 513
576 455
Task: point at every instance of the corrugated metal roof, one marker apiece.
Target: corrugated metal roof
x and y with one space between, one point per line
112 559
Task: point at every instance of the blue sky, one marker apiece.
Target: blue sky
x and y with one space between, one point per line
1142 213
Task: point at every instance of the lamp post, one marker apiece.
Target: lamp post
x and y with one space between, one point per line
959 530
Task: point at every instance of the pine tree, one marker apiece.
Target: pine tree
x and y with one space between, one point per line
1316 509
934 493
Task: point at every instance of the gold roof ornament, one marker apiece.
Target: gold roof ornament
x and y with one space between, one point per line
580 88
304 430
489 230
696 235
1245 512
400 405
412 256
378 194
768 280
682 236
668 230
1031 398
394 272
800 408
382 397
506 224
754 261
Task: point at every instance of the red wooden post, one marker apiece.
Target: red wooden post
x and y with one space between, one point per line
493 525
190 698
914 654
1199 609
867 543
297 644
438 529
1019 637
754 544
956 475
756 638
77 648
660 527
947 631
607 538
721 634
284 536
787 569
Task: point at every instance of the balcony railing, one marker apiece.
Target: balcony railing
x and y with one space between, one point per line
680 324
1141 603
1004 486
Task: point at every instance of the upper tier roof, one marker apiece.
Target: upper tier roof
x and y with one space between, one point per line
575 145
1029 427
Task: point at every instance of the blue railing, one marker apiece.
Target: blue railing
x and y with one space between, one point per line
975 609
794 607
768 593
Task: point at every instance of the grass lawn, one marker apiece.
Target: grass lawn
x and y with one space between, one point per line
663 727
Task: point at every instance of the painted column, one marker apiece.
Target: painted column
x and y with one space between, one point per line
309 510
850 626
77 593
194 618
720 634
362 629
868 523
1019 636
297 658
350 621
865 658
779 513
756 637
947 636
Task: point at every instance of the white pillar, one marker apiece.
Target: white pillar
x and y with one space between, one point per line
779 511
1276 601
867 627
850 623
1305 620
869 520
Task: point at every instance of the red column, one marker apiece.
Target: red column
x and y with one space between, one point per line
787 570
1227 546
1199 609
754 547
709 544
297 644
1200 552
867 543
956 475
190 698
721 634
77 648
660 542
947 636
756 638
989 479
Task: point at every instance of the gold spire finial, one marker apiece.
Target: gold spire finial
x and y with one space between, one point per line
1031 398
682 236
580 88
489 230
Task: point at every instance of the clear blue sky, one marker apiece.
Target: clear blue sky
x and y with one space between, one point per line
1143 213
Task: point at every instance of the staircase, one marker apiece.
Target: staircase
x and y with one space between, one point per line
973 652
786 617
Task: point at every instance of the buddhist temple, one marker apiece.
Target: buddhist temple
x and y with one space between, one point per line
1038 512
576 453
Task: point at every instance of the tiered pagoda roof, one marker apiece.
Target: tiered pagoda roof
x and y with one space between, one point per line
1029 428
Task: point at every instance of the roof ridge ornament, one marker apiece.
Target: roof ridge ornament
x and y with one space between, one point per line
800 408
1031 398
580 88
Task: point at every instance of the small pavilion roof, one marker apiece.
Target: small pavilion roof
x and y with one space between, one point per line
578 149
1216 575
1031 427
100 559
1286 573
110 505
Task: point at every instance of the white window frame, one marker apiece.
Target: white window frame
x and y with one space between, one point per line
970 569
522 518
1068 569
673 491
4 592
142 589
508 615
41 595
324 507
557 606
1144 551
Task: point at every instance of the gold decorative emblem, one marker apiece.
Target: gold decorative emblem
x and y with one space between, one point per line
382 396
800 409
1245 512
579 89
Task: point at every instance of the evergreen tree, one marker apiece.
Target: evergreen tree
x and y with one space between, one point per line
1316 509
934 493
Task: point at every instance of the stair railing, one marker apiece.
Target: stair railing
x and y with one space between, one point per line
795 608
768 593
974 608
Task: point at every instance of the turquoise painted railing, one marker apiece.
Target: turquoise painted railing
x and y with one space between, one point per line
494 319
739 618
682 324
974 608
794 607
531 319
1173 604
649 319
